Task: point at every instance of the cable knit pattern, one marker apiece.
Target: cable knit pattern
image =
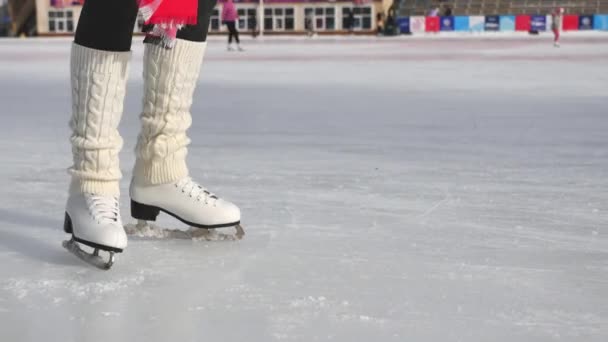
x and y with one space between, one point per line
170 78
98 81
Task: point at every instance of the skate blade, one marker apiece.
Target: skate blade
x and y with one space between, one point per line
92 259
144 230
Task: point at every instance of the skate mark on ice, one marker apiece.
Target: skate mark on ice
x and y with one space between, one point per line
151 231
435 206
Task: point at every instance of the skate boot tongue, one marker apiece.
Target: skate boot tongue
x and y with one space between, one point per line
195 190
103 208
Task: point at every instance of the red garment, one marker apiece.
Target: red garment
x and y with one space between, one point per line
229 12
168 16
556 34
177 12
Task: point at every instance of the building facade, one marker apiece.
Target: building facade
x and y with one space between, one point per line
4 18
56 17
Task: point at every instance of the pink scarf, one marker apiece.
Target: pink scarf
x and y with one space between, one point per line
167 17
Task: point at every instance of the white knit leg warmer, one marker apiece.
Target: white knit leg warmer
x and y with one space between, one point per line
98 81
170 78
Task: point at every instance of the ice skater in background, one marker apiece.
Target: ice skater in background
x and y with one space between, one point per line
230 17
309 24
100 59
556 25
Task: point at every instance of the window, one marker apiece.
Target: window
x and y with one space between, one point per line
362 17
323 18
279 19
61 21
247 18
215 22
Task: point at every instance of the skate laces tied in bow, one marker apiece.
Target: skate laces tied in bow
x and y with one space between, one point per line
193 189
103 208
167 16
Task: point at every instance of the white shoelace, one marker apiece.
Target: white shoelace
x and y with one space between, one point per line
195 190
103 208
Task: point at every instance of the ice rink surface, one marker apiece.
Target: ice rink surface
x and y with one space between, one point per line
423 189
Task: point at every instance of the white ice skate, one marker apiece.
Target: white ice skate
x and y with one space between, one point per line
230 48
240 48
556 44
94 221
187 201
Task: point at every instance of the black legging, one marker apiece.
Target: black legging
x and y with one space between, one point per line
108 24
232 32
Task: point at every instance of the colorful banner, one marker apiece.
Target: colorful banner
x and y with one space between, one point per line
492 23
477 23
432 24
600 22
570 22
404 24
447 23
538 23
585 22
417 24
549 21
356 2
522 23
507 23
461 23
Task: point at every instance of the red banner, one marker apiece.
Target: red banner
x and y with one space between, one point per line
522 23
570 22
432 24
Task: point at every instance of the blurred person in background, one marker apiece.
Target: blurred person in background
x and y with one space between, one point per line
350 21
447 11
309 24
390 24
230 17
556 25
380 23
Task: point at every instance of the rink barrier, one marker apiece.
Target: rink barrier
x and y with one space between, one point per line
492 23
539 23
600 22
432 24
585 22
446 23
523 23
506 23
462 23
500 23
570 22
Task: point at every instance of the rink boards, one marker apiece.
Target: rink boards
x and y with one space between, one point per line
500 23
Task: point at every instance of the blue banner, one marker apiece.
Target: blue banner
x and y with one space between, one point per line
507 23
600 22
404 24
446 23
538 23
585 22
492 23
461 23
